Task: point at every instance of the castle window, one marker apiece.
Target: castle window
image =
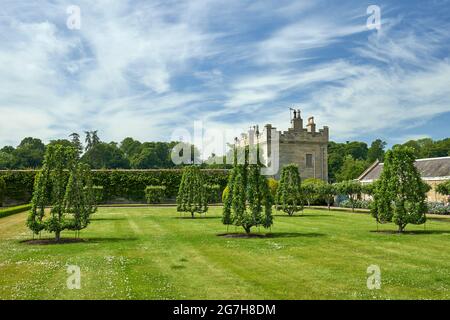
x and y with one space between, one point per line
309 160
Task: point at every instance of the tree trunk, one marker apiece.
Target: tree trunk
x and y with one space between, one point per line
58 236
192 215
401 228
247 229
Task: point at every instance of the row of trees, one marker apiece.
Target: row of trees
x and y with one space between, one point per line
346 161
399 195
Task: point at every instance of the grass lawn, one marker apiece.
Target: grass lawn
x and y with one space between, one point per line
153 253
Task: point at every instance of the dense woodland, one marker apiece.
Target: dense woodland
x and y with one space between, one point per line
346 160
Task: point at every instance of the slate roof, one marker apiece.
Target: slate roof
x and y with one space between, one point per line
432 168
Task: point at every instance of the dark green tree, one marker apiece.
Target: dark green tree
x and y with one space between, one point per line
376 151
105 156
29 153
192 195
289 194
76 141
351 169
400 193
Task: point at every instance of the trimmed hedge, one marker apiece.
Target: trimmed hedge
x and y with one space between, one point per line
214 192
128 185
2 190
14 210
155 194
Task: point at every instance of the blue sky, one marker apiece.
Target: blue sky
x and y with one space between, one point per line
146 68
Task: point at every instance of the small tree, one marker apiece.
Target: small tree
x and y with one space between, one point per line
400 193
192 195
72 201
309 192
80 198
248 202
327 192
350 188
289 195
155 194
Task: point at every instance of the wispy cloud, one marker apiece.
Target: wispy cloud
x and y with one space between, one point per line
144 68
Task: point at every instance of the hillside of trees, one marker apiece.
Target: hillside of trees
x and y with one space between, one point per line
345 160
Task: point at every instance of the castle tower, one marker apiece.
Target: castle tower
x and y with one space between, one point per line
305 147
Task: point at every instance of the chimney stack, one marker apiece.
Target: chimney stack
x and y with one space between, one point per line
311 126
297 121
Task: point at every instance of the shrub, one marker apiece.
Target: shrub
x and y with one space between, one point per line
213 193
273 187
438 208
225 194
192 195
155 194
289 196
13 210
359 204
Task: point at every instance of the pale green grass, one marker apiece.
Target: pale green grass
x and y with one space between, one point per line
152 253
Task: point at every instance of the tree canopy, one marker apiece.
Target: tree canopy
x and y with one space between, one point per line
400 193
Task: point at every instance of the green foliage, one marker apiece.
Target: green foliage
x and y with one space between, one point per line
155 194
80 198
428 148
13 210
359 204
248 200
117 184
351 169
376 151
192 196
444 188
351 188
368 189
289 195
273 186
327 192
72 201
2 190
98 193
400 193
105 155
225 194
310 190
213 193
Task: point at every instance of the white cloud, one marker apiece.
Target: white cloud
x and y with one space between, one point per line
144 68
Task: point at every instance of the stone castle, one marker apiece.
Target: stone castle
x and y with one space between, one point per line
305 147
